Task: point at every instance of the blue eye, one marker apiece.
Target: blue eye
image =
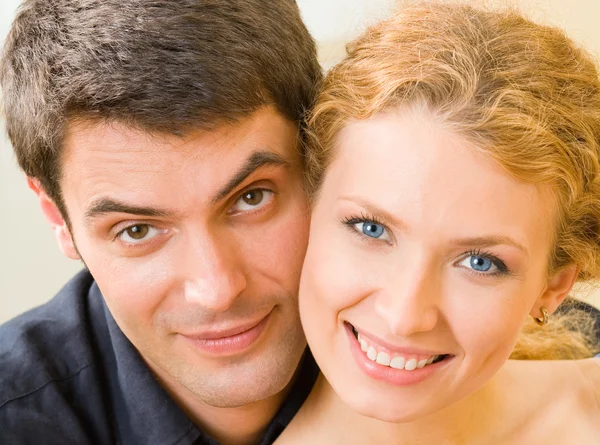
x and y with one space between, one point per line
367 226
480 264
484 264
372 230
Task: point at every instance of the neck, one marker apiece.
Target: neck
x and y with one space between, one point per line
250 420
464 422
229 426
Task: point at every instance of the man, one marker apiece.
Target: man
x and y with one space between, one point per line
162 140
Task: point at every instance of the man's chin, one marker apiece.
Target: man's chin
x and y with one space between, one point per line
237 381
245 383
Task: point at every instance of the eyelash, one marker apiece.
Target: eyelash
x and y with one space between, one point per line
124 229
254 189
363 217
238 197
503 269
350 221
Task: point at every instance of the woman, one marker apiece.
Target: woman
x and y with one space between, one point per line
454 169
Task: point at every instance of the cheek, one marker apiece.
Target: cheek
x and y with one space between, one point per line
276 248
332 281
289 240
486 322
336 273
133 288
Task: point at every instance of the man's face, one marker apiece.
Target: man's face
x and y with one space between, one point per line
196 244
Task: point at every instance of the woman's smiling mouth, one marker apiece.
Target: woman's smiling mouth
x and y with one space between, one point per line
400 366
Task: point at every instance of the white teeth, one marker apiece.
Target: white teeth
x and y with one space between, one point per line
364 346
411 364
383 359
397 362
372 353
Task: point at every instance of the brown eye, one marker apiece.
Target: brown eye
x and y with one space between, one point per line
253 197
138 231
252 200
139 234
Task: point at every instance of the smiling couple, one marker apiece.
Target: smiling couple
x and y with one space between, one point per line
444 176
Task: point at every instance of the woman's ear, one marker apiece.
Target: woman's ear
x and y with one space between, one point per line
55 219
556 291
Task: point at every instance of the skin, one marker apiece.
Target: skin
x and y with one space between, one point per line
438 205
191 235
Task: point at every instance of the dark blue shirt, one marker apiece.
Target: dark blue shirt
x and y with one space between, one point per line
68 375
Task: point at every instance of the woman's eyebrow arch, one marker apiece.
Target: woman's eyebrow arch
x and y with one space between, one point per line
489 240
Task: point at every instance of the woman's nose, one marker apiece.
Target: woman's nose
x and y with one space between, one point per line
408 301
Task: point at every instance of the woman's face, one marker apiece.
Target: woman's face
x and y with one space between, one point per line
424 261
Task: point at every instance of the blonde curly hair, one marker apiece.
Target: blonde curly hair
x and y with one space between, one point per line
523 94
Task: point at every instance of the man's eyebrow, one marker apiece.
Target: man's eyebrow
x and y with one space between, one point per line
255 161
108 205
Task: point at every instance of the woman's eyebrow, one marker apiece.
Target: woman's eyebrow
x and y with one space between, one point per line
489 240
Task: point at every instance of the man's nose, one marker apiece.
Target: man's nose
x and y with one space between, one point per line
215 275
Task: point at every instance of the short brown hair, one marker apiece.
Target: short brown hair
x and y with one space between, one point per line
166 66
521 93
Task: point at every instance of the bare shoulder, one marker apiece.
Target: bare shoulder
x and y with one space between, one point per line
573 382
590 371
583 400
563 400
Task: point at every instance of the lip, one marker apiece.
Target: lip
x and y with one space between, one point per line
396 377
231 340
391 348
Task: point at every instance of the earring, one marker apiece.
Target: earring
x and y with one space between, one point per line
541 321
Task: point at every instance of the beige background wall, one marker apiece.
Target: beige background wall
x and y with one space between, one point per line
31 266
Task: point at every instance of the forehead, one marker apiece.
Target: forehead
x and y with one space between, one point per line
109 158
265 128
410 165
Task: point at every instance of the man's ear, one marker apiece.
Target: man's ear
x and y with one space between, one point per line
558 289
55 219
